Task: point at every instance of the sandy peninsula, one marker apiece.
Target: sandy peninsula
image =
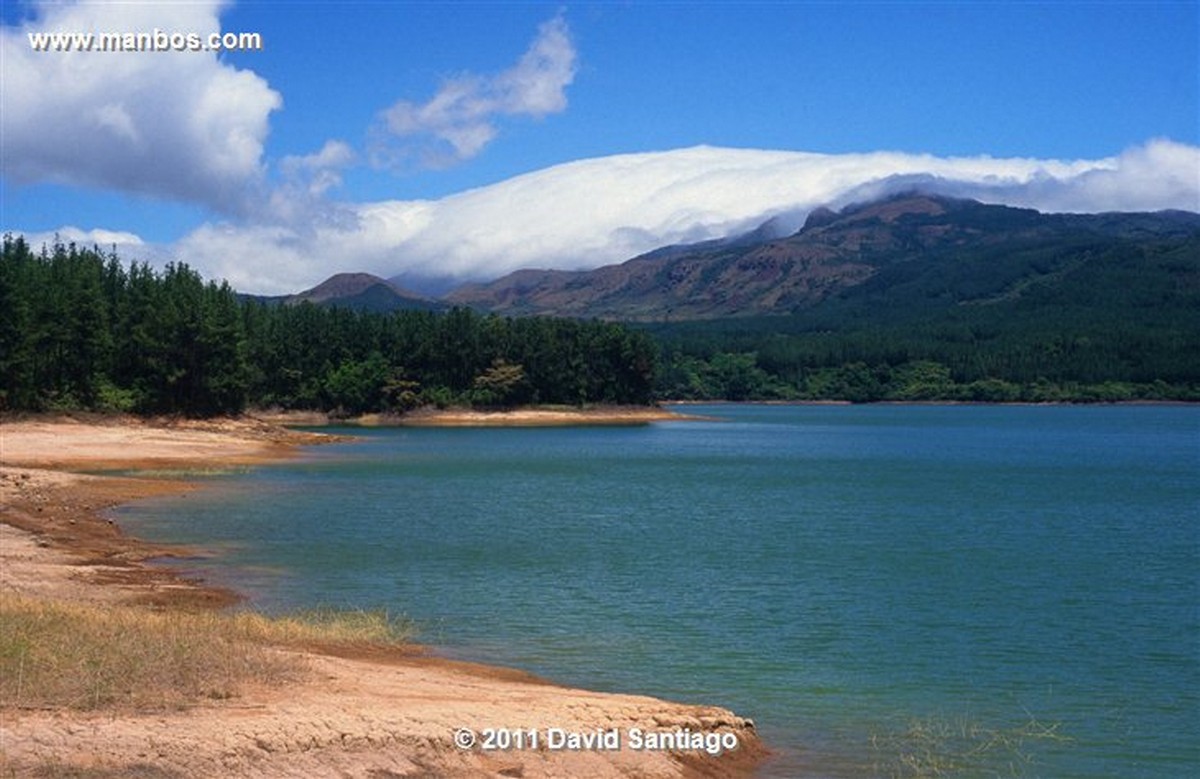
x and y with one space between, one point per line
368 713
524 416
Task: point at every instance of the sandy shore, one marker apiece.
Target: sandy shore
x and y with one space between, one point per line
536 416
373 714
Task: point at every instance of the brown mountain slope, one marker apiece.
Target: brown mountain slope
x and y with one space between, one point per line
360 291
887 242
827 255
345 285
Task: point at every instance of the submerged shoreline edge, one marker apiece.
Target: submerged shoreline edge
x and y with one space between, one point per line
56 544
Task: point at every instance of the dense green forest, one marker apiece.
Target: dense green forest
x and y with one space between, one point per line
1113 321
81 330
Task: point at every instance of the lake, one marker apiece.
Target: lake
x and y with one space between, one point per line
886 590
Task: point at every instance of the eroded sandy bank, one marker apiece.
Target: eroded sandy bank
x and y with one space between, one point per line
368 714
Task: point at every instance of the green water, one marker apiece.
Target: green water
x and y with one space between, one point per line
993 591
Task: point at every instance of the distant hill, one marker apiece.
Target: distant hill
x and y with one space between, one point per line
906 252
361 292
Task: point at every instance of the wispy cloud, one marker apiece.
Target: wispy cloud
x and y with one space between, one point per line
302 197
320 171
178 125
461 119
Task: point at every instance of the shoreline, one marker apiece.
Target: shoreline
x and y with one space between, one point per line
521 416
358 712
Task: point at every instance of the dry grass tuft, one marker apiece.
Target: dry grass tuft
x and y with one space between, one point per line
317 627
82 656
941 748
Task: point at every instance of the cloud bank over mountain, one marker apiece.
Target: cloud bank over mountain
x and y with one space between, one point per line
191 128
599 211
125 139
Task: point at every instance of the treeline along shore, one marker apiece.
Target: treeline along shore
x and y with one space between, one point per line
82 330
79 330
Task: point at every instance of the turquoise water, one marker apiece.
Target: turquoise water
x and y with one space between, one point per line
998 591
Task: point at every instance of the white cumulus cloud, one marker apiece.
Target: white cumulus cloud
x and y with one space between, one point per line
599 211
179 124
460 120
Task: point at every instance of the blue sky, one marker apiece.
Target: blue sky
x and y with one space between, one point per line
346 108
1061 79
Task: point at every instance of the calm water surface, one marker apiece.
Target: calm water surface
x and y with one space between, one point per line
997 591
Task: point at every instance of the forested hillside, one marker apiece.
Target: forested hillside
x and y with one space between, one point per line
81 330
1086 321
1111 322
968 302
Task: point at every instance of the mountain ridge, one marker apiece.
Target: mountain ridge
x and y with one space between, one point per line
358 291
833 253
884 250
